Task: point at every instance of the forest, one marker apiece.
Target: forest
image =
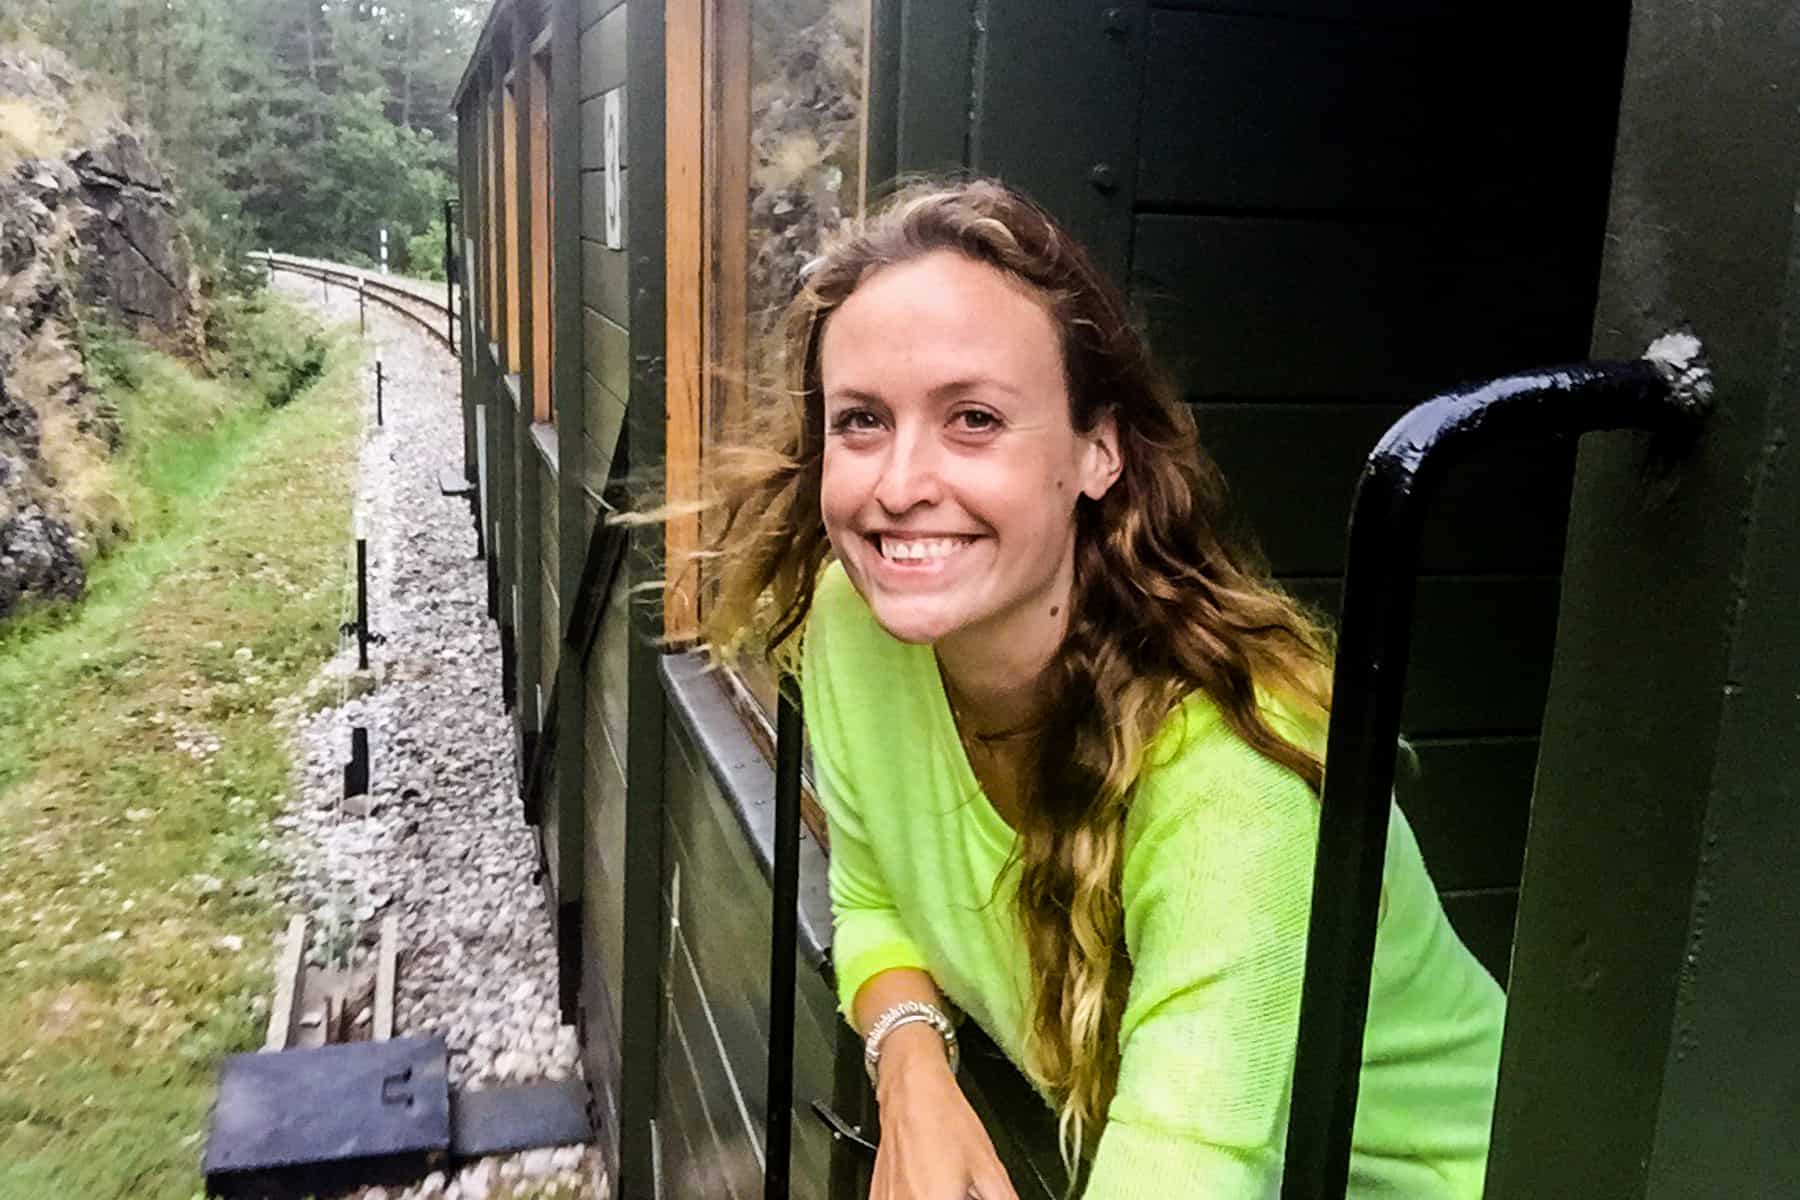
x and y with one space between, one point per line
302 125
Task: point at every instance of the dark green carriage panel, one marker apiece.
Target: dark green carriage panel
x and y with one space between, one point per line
549 566
602 859
1292 470
592 10
1469 806
1243 308
603 417
606 349
604 834
1650 1051
528 471
723 926
1069 145
719 1132
603 53
1226 127
502 420
1372 116
606 281
691 1149
1484 920
1480 652
1468 809
604 383
1336 11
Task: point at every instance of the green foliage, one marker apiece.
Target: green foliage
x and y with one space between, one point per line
425 252
369 174
297 125
271 348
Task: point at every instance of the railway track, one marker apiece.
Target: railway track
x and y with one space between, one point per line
409 298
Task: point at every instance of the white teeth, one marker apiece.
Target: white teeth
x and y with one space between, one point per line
919 548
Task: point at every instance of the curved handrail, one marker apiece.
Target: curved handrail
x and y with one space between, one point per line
1666 393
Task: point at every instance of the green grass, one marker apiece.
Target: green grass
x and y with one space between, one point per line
139 768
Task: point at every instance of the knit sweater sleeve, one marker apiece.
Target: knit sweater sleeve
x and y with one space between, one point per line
868 936
1217 887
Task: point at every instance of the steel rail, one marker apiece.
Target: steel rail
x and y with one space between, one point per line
337 270
373 290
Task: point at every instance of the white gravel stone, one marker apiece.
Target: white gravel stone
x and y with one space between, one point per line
443 845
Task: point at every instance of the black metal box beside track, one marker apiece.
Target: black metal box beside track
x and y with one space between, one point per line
311 1122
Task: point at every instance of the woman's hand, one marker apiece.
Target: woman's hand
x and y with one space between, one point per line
932 1144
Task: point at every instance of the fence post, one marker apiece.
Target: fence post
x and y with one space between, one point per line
449 277
378 391
362 307
362 604
356 771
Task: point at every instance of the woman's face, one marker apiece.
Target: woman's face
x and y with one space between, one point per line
951 467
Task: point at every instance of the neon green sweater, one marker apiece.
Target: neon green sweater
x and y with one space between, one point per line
1217 883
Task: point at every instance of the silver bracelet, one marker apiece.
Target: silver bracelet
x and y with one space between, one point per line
908 1012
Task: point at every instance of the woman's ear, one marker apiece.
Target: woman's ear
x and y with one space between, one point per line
1100 462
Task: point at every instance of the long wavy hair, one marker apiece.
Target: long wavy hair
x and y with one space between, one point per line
1166 601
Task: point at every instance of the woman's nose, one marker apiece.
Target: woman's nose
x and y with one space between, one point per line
910 475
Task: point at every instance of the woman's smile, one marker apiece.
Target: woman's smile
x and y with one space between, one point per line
916 554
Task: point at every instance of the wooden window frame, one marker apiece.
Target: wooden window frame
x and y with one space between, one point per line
490 226
511 357
543 317
684 42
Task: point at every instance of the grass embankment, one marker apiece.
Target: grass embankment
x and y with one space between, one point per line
140 766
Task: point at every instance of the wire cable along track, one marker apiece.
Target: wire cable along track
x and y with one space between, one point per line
383 291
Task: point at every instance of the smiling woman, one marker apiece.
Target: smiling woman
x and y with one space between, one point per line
1068 736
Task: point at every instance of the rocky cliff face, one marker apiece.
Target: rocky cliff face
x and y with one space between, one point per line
85 219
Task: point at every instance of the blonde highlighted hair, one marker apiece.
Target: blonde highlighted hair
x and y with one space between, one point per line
1165 601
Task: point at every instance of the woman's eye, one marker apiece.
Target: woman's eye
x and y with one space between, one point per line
978 420
853 420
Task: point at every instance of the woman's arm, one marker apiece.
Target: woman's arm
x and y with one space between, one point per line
933 1146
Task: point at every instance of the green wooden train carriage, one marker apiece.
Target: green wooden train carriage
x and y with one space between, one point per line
1325 211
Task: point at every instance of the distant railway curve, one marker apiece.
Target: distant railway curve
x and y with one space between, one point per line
410 298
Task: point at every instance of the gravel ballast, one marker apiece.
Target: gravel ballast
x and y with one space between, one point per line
444 847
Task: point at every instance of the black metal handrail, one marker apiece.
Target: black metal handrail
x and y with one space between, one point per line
783 945
1665 395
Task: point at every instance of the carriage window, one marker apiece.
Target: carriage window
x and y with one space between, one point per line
771 160
542 319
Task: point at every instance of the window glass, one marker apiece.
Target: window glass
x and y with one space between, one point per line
788 130
806 146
